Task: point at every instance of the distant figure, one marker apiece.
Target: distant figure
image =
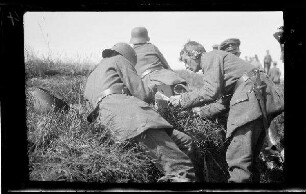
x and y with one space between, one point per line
267 62
280 38
256 62
275 74
231 45
215 47
247 59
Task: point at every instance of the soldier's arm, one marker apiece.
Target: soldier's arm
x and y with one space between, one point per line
212 110
134 83
212 82
162 59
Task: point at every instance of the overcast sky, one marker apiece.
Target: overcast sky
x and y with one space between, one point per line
81 36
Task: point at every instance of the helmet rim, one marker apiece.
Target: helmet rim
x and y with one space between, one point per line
138 40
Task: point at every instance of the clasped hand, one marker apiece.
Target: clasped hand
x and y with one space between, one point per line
175 101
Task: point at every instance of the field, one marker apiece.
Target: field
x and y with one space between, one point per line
65 147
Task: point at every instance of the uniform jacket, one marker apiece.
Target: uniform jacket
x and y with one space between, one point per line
275 74
221 72
125 116
149 56
268 59
215 109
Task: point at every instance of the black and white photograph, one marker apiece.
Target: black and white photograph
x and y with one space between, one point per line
154 99
187 95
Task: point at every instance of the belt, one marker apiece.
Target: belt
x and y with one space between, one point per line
247 76
148 71
112 90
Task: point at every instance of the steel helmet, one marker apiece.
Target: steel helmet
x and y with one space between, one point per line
231 45
44 101
139 35
124 49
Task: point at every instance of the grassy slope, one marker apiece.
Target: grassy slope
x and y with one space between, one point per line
68 148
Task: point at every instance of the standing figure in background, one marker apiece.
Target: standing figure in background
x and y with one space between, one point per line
256 63
119 97
267 62
275 73
215 47
231 45
253 101
246 59
151 65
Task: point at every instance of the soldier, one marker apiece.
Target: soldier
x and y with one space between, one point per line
250 108
215 47
256 63
118 95
267 62
151 65
275 73
231 45
246 59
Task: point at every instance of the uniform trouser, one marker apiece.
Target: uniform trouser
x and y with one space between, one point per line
170 152
267 67
243 151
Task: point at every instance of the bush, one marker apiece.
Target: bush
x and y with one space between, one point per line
209 142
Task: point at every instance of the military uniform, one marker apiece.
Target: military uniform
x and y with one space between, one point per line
153 67
267 63
128 117
215 109
224 75
275 74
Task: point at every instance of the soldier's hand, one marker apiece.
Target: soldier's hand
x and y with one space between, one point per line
196 111
175 100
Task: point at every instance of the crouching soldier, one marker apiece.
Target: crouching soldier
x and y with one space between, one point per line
220 106
151 65
253 103
118 94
